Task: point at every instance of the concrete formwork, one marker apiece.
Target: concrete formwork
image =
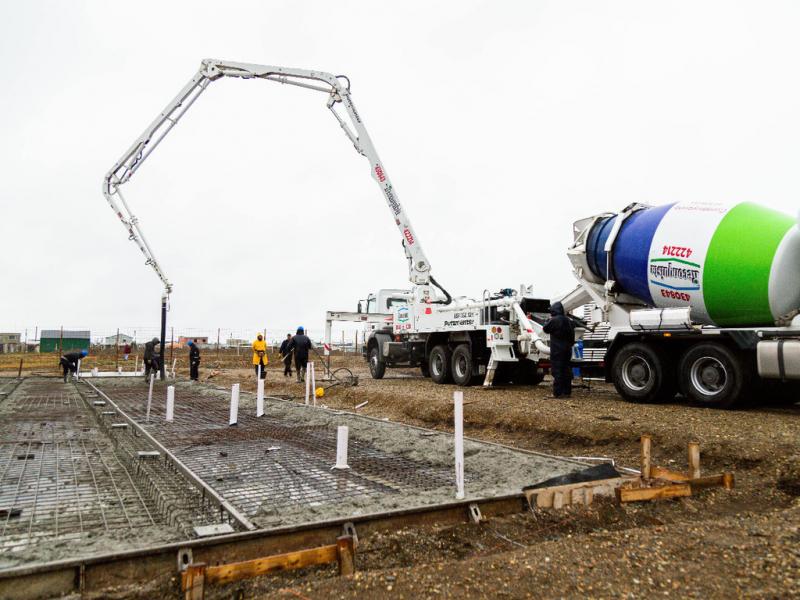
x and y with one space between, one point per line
85 473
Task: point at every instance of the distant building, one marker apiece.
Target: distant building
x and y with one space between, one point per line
237 343
200 340
10 342
111 340
50 339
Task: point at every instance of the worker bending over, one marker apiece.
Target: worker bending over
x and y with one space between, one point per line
152 358
69 362
194 360
300 345
286 355
260 356
562 338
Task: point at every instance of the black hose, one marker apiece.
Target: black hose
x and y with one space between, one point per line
449 298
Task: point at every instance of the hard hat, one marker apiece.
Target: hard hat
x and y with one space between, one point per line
300 329
84 352
190 343
319 392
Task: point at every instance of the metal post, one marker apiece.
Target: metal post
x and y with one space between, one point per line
163 336
116 358
61 341
217 346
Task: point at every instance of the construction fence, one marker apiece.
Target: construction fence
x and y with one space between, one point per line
225 348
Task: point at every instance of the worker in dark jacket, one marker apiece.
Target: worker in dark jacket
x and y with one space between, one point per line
69 362
300 344
286 355
194 360
562 337
152 357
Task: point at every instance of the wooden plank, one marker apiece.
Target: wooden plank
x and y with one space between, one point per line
270 564
694 460
646 444
676 490
662 473
193 581
347 555
724 480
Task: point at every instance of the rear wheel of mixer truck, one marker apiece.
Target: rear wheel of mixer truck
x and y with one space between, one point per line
642 374
714 375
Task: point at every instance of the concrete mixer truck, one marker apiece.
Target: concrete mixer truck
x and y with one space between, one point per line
697 298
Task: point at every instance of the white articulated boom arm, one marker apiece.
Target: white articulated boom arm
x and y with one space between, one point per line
211 70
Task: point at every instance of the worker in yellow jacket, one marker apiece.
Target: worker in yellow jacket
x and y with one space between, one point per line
260 356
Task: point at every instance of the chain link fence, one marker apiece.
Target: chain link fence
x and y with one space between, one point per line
37 349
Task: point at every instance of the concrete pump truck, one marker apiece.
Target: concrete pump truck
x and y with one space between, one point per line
450 338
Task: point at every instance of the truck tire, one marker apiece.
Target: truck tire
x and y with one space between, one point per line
641 375
377 368
528 373
425 369
712 375
463 367
439 364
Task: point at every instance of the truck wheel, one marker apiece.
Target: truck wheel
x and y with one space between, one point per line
425 370
712 375
528 373
377 368
463 366
641 375
439 364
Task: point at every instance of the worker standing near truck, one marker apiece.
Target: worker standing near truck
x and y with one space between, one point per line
194 361
562 338
69 362
260 360
286 355
300 344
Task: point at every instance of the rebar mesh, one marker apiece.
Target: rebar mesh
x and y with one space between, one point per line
62 477
265 463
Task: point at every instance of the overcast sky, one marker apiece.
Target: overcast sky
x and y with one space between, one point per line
500 123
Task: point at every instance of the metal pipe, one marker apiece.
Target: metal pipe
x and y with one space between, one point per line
163 336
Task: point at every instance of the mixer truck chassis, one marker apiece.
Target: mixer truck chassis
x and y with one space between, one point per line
715 367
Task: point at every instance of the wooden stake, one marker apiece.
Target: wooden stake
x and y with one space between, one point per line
346 555
694 460
646 442
193 581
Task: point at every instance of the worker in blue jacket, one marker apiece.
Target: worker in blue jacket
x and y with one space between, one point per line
562 337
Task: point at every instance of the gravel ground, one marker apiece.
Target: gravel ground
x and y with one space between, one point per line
743 543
